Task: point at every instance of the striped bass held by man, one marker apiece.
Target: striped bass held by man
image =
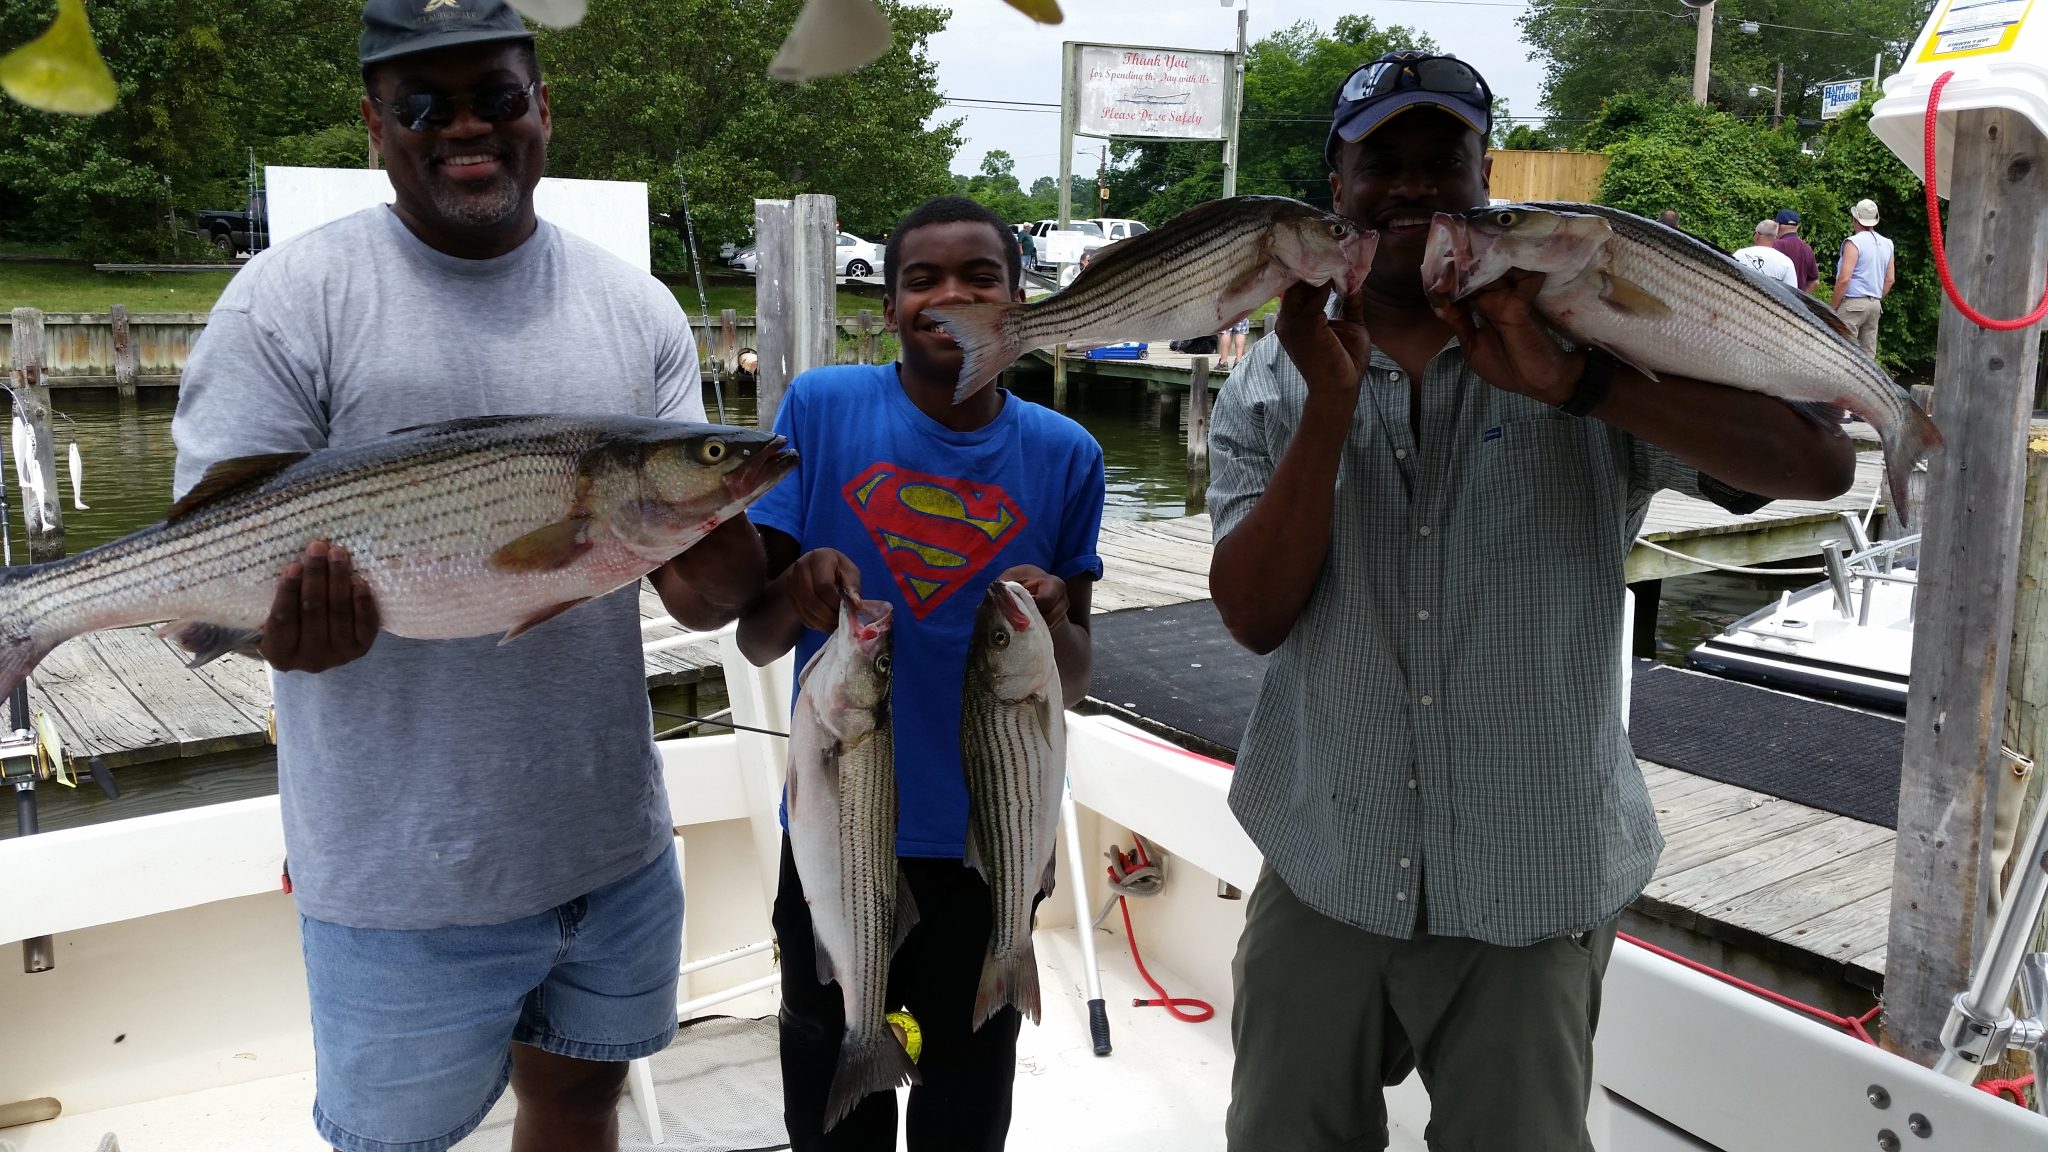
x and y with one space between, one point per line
1014 746
1195 275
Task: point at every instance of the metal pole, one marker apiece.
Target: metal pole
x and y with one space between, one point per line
1702 53
1980 1022
1236 106
703 305
1778 99
1067 58
1084 923
1876 69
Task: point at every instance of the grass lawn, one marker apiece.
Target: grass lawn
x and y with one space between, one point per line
77 288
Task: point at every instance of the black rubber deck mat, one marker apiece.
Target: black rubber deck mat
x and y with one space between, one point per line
1175 667
1820 755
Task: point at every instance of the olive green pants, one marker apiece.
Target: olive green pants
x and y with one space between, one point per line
1327 1015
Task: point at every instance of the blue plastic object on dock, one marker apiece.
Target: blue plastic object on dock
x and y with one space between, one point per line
1125 351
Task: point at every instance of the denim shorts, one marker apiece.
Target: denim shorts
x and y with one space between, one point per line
412 1030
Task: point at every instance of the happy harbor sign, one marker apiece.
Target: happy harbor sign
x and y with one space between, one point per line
1151 93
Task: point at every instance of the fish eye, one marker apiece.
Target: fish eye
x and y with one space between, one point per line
999 638
711 451
1506 218
882 663
1339 229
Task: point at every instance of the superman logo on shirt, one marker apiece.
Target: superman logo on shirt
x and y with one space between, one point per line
934 532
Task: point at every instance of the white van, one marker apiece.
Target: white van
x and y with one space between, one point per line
1115 229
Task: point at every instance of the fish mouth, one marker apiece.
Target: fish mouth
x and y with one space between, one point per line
1359 250
764 466
1013 602
868 619
1448 257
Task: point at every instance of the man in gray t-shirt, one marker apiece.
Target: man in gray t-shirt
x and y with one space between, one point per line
479 841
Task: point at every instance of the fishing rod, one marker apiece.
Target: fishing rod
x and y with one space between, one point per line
703 305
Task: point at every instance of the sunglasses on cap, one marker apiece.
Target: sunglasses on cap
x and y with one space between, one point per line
1445 74
420 111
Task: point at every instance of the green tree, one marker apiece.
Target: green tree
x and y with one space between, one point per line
1595 52
642 83
1289 79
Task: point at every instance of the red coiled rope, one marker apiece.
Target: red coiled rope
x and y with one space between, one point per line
1948 282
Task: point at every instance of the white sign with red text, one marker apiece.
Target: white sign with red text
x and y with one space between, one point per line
1155 93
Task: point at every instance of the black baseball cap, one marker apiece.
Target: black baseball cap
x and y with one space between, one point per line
393 28
1378 91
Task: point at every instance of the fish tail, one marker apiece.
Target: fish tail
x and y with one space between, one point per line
1906 443
1011 979
22 644
866 1065
987 342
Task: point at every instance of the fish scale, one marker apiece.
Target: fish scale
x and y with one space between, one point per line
425 517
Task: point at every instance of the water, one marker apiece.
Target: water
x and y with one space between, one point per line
128 456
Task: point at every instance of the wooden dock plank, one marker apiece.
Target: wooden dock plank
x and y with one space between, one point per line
1777 907
1739 873
197 717
1848 932
1738 827
97 714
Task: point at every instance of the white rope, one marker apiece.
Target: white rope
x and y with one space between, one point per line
1737 569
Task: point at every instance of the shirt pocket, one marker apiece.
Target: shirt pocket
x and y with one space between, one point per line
1542 486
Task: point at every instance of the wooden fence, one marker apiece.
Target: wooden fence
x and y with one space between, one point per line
1573 176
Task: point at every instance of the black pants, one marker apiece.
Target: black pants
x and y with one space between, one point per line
963 1102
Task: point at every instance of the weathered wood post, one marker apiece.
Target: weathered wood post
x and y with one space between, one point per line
1955 719
864 350
774 336
1198 436
124 352
815 314
41 511
729 339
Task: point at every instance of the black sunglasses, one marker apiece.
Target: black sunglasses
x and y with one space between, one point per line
420 111
1445 74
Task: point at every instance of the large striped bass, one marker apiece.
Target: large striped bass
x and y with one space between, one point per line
464 528
1013 745
1195 275
842 834
1663 301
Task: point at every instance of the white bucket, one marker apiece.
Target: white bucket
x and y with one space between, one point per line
1998 50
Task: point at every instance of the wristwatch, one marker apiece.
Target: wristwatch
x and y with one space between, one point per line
1594 382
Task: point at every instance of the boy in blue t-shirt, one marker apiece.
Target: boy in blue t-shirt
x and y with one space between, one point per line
906 497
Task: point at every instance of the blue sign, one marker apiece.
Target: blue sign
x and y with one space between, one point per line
1839 97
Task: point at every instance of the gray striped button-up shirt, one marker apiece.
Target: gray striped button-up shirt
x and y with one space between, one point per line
1443 725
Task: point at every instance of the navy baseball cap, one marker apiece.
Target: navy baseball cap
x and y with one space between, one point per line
1398 81
1787 216
393 28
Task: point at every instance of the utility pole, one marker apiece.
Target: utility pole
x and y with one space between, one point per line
1702 52
1778 99
1236 105
1102 180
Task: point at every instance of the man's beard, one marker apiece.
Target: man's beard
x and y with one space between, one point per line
487 207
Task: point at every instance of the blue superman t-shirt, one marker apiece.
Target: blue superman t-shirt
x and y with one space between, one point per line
931 517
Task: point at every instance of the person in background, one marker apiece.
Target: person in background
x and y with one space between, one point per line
1027 247
1230 343
1795 246
1762 256
1864 277
1668 218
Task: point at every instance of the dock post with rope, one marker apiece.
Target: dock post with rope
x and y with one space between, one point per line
1954 736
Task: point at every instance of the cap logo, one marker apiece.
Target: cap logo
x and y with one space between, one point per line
433 5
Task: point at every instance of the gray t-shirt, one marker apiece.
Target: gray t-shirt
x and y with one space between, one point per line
449 782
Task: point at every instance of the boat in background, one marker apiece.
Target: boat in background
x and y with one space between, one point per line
1848 638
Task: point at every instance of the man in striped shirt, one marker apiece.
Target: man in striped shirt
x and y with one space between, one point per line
1422 510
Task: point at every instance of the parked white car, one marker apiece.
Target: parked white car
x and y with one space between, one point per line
1057 246
854 257
1114 228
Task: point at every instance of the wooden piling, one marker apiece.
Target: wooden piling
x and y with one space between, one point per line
813 311
729 340
124 352
774 337
864 348
1955 718
1198 435
43 514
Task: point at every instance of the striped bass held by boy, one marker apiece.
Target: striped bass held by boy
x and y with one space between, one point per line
1013 738
464 528
1195 275
1662 301
842 835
